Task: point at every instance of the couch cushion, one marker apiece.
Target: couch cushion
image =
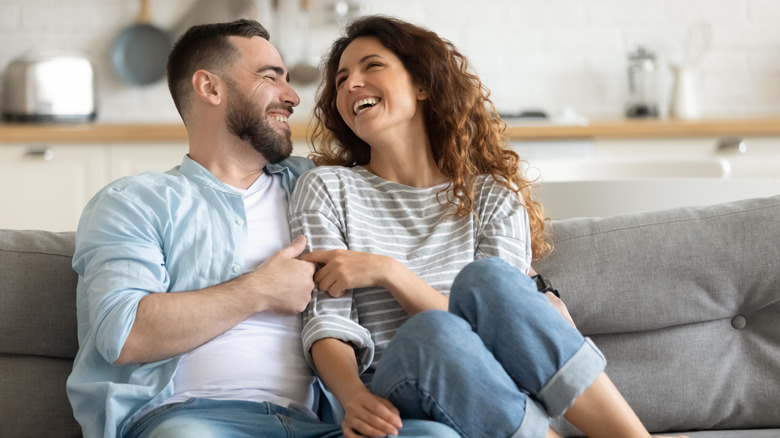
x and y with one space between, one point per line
685 304
38 342
33 399
38 293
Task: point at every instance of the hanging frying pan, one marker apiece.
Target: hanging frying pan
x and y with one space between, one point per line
139 53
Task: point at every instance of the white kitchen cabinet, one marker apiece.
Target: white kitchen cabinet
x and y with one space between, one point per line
46 186
688 147
133 158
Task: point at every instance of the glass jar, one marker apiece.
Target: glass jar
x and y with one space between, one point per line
642 84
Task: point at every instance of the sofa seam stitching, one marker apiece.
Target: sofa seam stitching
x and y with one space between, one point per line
39 252
715 216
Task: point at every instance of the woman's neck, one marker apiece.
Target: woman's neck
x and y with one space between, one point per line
410 163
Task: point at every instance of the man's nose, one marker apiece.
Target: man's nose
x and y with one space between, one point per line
290 96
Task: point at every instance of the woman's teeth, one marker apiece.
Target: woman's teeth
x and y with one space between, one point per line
364 104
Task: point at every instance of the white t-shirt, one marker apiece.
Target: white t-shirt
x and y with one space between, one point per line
261 359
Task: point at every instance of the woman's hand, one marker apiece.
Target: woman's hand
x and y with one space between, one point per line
556 302
341 269
560 306
368 415
365 415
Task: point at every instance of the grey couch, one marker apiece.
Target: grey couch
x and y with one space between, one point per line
685 304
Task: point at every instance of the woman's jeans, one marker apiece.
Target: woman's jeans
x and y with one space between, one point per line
500 363
204 418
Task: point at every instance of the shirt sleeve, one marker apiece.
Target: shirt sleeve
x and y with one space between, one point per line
316 214
119 260
505 231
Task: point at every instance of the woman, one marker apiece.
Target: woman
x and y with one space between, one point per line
418 188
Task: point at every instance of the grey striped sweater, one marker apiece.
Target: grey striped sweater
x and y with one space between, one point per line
351 208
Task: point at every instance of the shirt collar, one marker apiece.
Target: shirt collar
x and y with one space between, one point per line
194 171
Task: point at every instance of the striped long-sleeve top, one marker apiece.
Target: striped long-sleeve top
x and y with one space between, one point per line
351 208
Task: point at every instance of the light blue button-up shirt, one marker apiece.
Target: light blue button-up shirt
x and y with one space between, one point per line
156 232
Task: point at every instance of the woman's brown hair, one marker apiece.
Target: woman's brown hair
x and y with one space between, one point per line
465 134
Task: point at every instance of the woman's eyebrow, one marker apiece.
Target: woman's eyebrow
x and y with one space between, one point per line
362 60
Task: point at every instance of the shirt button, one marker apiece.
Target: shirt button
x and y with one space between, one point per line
236 269
240 221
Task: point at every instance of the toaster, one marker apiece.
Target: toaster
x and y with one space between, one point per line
49 87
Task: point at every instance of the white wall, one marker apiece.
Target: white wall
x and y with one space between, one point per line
530 53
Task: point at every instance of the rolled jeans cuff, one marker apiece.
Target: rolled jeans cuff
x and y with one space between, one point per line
535 423
574 377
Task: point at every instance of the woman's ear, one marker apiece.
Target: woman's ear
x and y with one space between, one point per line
422 93
206 86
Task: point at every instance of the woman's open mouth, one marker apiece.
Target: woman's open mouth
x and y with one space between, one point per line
364 104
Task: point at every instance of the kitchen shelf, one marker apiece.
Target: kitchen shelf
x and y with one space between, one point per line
617 128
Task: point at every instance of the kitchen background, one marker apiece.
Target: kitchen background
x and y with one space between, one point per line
567 58
532 54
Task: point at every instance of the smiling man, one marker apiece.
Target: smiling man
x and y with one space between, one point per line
189 287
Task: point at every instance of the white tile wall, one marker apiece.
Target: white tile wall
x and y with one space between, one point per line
531 53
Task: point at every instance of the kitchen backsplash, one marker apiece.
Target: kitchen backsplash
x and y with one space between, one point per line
541 54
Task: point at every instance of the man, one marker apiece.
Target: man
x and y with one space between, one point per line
219 354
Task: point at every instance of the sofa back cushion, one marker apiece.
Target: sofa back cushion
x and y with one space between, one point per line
685 304
39 334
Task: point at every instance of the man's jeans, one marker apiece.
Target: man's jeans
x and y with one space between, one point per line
500 363
204 418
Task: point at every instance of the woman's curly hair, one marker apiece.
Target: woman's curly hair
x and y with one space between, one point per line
466 135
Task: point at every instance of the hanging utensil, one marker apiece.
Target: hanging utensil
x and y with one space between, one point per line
304 72
684 100
698 39
140 52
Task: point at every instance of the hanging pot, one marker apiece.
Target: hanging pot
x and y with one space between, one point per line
140 52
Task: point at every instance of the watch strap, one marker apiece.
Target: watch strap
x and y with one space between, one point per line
543 285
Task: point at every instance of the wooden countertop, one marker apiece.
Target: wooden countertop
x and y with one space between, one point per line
617 128
649 128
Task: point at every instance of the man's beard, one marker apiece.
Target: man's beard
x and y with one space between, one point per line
247 121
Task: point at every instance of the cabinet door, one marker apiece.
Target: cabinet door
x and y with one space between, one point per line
47 186
133 158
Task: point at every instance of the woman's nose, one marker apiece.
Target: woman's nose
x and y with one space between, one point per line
354 81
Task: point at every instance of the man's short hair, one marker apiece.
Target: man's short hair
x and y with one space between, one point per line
206 47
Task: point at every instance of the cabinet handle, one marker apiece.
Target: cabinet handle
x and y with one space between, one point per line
43 152
731 145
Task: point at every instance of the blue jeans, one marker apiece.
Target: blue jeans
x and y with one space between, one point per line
500 363
204 418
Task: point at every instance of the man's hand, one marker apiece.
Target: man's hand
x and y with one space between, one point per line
167 324
368 415
284 281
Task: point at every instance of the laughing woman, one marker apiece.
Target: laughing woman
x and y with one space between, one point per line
424 230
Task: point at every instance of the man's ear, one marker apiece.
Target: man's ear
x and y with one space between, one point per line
207 87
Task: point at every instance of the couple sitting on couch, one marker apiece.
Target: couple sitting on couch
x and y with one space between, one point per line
418 245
